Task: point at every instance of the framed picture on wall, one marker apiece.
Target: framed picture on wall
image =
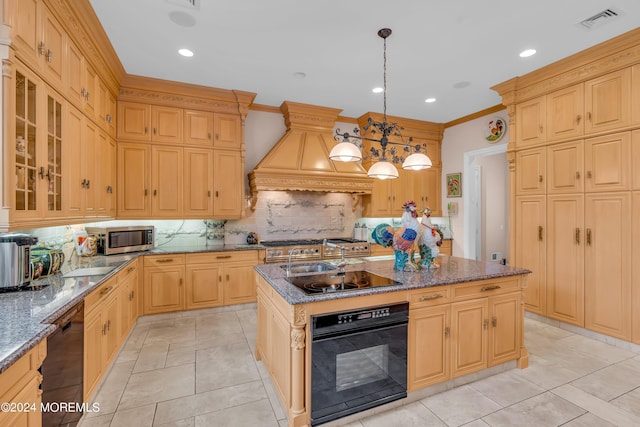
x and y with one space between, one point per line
454 184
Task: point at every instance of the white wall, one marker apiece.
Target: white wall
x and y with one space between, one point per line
458 140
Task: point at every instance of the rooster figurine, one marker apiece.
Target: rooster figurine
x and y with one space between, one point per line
405 238
429 239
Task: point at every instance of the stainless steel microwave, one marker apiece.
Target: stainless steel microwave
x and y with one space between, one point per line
120 240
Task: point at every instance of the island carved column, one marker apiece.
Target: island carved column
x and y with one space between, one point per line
298 346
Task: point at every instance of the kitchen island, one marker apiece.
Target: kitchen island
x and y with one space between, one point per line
464 317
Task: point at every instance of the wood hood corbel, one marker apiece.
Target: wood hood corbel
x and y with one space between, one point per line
299 161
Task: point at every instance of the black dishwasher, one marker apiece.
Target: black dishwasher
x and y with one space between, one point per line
62 371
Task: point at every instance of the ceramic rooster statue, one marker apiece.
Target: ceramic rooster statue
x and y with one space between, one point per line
404 240
429 239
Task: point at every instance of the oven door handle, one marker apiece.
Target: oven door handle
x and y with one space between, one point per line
356 331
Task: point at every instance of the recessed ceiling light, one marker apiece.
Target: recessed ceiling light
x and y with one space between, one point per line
527 53
185 52
430 100
181 18
462 84
377 90
299 75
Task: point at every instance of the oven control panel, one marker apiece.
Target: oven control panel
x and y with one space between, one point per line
369 314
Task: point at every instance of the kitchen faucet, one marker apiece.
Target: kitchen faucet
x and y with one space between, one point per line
342 262
291 252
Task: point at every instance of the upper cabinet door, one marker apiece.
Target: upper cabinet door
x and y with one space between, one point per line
53 46
227 130
565 166
607 162
134 120
531 122
198 128
530 171
166 124
565 113
608 101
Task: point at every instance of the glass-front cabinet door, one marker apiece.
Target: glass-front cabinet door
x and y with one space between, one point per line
39 138
26 162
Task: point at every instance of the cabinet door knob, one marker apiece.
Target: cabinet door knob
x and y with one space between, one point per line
155 131
539 178
155 192
589 174
486 323
578 175
41 48
589 115
494 321
209 135
49 55
146 129
578 119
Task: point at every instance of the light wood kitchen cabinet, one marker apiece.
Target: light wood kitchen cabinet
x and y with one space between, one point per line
531 122
635 94
608 101
106 176
427 189
74 75
531 231
505 316
227 173
388 196
565 258
166 181
565 166
531 171
607 162
102 333
198 128
635 268
607 268
26 33
469 328
20 384
166 124
91 91
107 109
134 121
197 195
565 113
134 180
635 159
429 359
204 285
128 297
163 283
227 131
446 247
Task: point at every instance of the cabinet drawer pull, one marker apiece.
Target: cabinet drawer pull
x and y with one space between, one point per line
164 260
490 288
106 291
223 256
431 297
130 269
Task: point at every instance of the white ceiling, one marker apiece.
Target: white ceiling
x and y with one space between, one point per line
258 46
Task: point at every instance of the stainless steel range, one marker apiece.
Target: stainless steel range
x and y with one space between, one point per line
313 249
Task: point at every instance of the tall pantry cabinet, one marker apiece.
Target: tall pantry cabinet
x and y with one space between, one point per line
575 186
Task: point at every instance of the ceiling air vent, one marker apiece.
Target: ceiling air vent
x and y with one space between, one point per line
189 4
600 18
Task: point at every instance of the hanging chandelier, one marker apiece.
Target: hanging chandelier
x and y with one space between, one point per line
349 148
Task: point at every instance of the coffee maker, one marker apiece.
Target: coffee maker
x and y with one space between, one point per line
15 260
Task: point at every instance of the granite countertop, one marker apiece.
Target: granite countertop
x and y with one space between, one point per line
26 316
452 270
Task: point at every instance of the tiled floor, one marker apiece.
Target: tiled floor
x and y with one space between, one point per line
197 369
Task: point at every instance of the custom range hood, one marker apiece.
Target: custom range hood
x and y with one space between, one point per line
299 161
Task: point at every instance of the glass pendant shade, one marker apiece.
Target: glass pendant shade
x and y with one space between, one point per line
345 152
416 162
383 170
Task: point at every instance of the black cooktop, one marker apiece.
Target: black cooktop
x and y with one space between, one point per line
301 242
340 282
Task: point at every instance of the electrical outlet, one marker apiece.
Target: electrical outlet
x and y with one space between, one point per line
496 256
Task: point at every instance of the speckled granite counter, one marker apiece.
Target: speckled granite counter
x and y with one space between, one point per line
452 270
25 316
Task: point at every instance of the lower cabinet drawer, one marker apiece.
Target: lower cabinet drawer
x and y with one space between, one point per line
429 297
484 289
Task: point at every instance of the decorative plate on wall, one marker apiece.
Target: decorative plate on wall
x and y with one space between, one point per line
495 130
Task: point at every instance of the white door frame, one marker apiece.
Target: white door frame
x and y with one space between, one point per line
470 191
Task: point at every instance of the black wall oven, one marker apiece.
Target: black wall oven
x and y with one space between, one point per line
359 360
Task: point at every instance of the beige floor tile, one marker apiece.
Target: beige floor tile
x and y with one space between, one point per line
588 420
507 388
99 421
217 324
630 402
211 401
141 416
127 356
224 366
255 414
159 385
172 334
611 381
546 409
111 389
476 423
448 408
180 357
411 415
546 374
152 356
606 352
187 422
597 407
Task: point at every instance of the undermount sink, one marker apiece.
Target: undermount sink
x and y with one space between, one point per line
92 271
315 267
